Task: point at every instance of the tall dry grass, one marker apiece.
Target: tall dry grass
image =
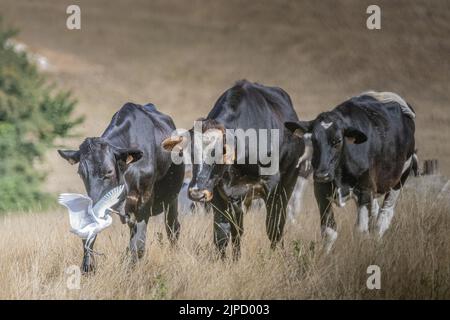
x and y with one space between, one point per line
181 55
414 257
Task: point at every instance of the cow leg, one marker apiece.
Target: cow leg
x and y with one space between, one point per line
364 211
88 264
387 211
373 214
138 235
237 229
295 202
222 230
324 193
276 216
222 223
172 223
390 200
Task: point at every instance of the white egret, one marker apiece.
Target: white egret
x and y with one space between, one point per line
87 221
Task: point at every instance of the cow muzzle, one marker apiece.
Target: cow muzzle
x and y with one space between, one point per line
200 195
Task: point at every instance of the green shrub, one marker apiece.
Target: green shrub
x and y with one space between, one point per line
32 116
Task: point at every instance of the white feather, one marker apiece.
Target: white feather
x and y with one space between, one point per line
85 221
107 201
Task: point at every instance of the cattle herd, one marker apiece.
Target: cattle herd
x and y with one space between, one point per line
362 149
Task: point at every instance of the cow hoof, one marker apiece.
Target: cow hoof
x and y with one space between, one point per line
134 256
236 255
88 269
219 256
330 236
140 253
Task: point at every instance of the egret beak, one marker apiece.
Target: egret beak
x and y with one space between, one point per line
113 211
124 218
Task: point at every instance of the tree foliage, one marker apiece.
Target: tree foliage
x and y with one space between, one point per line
32 116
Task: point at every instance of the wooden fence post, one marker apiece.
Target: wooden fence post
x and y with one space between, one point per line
430 167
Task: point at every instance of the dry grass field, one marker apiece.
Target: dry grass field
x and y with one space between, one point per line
36 250
181 55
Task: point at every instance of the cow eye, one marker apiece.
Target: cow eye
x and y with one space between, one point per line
336 143
108 174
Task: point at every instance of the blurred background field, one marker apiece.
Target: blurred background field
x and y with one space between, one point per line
181 55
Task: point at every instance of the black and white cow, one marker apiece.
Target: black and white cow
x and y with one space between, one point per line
236 181
129 152
362 148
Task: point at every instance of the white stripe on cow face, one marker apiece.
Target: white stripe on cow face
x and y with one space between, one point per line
326 125
204 144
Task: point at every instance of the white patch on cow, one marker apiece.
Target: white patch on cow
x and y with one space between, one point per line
203 145
387 212
391 97
326 125
296 200
407 165
307 154
375 209
362 221
329 236
198 149
341 200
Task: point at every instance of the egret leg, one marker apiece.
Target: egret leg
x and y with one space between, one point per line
89 246
88 264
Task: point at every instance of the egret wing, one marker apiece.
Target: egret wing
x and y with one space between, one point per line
107 201
80 209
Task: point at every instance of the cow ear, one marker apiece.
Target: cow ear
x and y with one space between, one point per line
229 155
174 143
128 156
72 156
298 128
354 136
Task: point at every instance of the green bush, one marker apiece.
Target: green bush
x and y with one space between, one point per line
32 116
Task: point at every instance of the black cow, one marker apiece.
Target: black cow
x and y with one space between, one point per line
363 148
129 152
250 107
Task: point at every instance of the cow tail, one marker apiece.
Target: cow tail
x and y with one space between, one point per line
415 164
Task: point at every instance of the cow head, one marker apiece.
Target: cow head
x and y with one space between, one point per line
329 135
101 165
209 154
